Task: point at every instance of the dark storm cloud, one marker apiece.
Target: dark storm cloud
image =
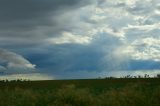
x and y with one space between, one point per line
32 21
20 10
81 38
96 56
67 58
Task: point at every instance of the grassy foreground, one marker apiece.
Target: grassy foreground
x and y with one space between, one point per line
93 92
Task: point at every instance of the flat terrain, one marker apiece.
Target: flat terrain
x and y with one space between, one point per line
84 92
89 83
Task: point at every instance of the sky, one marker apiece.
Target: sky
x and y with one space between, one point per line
74 39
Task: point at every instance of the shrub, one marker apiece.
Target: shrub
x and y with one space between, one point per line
69 95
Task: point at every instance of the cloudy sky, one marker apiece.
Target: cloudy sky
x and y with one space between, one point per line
59 39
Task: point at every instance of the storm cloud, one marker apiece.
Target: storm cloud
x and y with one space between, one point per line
81 39
32 21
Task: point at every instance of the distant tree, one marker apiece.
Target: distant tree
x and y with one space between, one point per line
158 75
135 76
128 76
6 80
146 76
111 77
139 76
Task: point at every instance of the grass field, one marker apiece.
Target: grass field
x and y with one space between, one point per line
86 92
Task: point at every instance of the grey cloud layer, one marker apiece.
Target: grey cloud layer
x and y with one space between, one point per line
22 10
32 21
70 34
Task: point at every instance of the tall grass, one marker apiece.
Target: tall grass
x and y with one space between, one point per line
70 95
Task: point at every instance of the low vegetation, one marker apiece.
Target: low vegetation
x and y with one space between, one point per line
95 92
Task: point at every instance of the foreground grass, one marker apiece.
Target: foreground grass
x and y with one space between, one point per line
122 92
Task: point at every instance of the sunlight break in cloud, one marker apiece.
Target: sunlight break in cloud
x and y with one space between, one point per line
68 37
33 76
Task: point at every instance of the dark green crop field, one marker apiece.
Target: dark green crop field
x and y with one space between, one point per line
86 92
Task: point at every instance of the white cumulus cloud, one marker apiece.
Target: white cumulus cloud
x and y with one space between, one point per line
14 63
68 37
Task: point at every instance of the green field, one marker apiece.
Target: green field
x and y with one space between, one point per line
86 92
